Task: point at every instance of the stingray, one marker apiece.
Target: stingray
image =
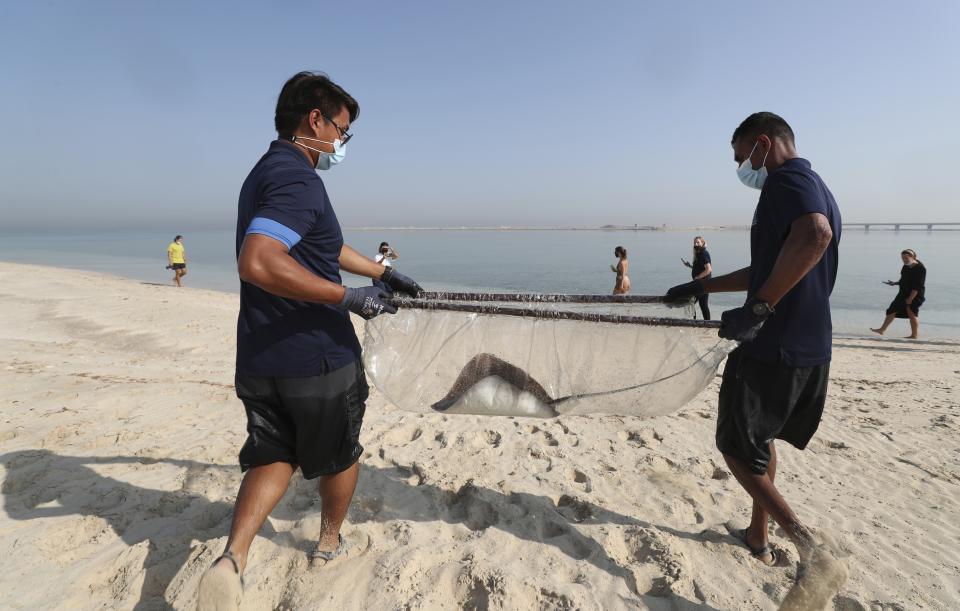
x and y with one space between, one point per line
489 385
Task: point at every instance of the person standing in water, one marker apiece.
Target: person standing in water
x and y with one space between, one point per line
775 382
913 277
701 269
177 259
384 256
622 284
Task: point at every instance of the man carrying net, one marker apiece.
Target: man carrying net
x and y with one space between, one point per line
774 385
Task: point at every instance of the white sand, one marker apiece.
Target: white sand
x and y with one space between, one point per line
119 431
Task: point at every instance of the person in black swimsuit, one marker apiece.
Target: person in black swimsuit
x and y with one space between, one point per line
701 269
913 277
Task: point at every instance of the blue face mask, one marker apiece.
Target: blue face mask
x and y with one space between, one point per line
750 177
325 160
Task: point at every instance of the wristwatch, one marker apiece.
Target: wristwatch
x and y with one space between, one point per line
761 309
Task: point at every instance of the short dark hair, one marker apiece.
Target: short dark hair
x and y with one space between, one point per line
763 123
306 91
382 244
177 238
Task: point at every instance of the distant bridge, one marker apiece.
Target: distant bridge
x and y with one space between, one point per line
913 226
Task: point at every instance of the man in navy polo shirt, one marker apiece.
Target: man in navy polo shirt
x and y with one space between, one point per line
775 384
299 372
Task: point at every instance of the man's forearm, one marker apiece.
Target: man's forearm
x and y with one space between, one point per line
913 295
355 263
809 238
728 283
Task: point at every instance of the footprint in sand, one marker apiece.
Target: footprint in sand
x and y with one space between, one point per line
468 506
645 438
487 438
579 477
656 569
574 509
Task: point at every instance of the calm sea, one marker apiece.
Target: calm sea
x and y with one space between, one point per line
563 261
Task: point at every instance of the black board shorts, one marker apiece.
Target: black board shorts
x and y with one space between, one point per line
760 402
179 266
312 422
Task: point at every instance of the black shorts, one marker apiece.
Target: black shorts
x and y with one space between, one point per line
179 266
760 402
313 422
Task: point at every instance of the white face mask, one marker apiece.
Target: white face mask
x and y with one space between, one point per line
750 177
325 160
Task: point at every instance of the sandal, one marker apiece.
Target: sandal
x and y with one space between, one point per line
353 545
219 591
757 552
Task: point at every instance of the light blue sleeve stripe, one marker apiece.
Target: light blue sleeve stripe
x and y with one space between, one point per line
275 230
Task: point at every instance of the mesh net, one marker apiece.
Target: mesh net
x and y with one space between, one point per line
544 359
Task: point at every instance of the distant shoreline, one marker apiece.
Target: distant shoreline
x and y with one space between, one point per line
572 228
611 228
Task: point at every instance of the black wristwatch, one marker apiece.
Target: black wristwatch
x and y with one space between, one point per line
761 309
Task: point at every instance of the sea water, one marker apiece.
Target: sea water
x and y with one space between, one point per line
556 261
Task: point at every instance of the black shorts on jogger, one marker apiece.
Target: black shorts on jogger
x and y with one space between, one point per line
760 402
312 422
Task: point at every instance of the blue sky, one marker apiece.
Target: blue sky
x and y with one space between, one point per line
137 114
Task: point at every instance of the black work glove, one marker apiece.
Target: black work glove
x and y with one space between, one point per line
743 323
367 302
400 283
684 292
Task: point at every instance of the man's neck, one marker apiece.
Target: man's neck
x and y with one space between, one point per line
299 148
780 154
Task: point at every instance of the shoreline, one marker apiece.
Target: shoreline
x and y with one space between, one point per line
933 340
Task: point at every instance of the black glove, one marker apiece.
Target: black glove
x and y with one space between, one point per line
400 283
743 323
367 302
683 292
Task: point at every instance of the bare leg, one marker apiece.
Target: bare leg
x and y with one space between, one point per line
757 536
176 277
824 574
336 491
914 324
767 498
261 490
221 587
886 323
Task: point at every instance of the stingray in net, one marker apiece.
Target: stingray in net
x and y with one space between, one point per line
553 355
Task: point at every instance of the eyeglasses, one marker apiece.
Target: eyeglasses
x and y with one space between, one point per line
344 134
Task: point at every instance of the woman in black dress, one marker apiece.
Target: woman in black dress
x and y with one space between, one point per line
701 269
906 304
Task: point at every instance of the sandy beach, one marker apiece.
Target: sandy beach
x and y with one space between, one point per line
119 432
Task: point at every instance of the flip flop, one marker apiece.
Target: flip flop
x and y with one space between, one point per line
219 590
757 552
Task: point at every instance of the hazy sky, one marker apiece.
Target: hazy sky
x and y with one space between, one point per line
122 114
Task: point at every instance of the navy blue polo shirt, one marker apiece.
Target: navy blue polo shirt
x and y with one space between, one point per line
800 333
284 198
